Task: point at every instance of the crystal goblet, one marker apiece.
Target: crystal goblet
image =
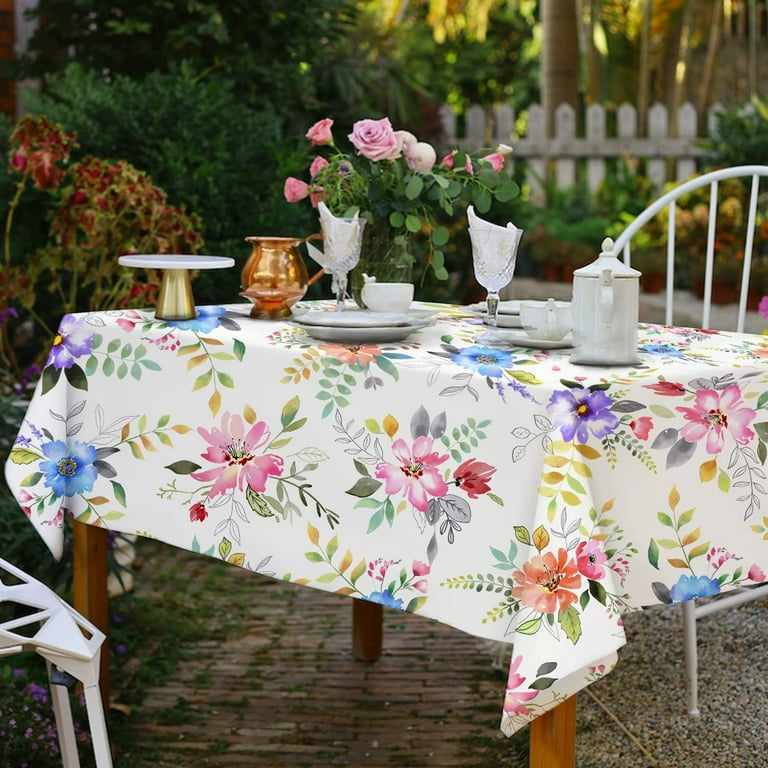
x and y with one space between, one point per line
343 239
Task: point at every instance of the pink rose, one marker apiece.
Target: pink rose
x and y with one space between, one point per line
449 162
375 139
295 189
317 165
320 132
420 156
496 159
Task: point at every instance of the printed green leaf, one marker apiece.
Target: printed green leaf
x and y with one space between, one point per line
653 553
542 683
415 604
530 627
183 467
365 486
570 623
314 557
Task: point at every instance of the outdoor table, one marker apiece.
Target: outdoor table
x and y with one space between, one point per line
506 492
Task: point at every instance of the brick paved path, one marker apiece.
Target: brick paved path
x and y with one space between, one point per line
285 690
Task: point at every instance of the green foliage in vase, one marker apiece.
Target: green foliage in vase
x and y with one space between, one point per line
389 175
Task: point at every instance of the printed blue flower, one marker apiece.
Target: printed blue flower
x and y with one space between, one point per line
580 411
74 339
207 319
69 470
688 587
487 361
387 599
667 350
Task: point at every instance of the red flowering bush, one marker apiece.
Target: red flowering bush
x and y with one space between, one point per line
97 211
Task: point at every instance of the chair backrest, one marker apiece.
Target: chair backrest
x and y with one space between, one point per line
50 624
669 201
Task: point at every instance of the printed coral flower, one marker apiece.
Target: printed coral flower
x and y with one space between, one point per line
198 512
515 698
352 354
205 321
69 470
74 339
641 427
590 559
472 477
547 581
667 388
689 587
487 361
233 451
579 411
416 474
715 413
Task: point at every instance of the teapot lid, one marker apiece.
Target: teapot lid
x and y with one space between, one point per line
609 260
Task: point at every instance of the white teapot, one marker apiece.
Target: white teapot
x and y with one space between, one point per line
605 309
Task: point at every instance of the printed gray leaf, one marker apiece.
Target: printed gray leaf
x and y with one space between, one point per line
680 453
420 422
456 508
521 433
518 452
437 427
542 422
665 439
627 406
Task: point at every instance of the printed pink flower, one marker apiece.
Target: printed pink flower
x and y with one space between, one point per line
416 475
496 159
641 427
129 320
715 413
320 132
472 477
375 139
420 569
546 582
756 574
198 512
352 354
514 699
233 450
317 165
295 189
668 388
590 559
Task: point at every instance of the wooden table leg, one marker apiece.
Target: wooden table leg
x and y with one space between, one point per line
367 621
89 586
553 737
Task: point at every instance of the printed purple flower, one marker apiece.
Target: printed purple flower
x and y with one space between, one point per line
74 339
207 319
487 361
580 411
689 587
69 470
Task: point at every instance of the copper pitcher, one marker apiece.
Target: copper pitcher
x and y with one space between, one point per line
275 277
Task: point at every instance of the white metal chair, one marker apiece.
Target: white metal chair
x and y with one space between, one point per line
753 174
71 647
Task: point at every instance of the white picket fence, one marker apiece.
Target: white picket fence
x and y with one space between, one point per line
566 157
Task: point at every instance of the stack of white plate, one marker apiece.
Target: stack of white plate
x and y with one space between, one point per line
360 326
508 316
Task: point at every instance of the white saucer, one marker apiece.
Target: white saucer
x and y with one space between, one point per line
507 317
507 338
362 335
172 261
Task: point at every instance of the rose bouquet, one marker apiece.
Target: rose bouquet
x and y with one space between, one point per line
395 181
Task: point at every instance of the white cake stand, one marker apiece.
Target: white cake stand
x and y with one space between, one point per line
176 301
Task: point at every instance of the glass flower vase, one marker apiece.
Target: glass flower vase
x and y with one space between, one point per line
385 255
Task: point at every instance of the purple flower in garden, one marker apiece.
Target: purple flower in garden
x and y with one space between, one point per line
74 339
5 314
207 319
580 411
485 360
688 587
69 470
386 598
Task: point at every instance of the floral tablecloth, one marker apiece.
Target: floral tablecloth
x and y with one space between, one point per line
506 492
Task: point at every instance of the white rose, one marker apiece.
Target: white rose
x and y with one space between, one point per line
420 156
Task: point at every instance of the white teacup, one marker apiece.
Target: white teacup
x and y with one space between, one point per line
387 297
548 320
